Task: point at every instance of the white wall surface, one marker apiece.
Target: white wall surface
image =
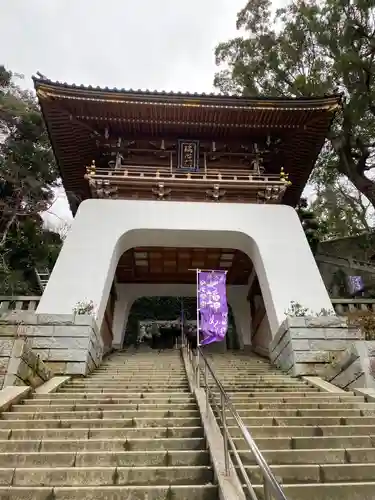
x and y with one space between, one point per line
271 235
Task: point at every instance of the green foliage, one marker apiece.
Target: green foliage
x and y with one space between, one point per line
84 307
312 48
315 230
296 310
27 176
157 308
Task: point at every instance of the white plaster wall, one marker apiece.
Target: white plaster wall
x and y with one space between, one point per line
271 235
262 338
128 293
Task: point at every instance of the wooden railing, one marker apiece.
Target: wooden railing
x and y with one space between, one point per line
165 174
18 303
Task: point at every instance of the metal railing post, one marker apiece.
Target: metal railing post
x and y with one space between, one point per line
225 434
271 487
206 386
197 369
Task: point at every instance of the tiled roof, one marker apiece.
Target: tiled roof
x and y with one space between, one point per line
160 93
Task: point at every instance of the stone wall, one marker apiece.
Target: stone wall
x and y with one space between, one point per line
68 344
305 345
354 367
25 367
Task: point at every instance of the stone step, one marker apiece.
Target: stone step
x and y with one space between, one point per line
103 407
66 390
313 456
177 492
102 433
121 397
326 491
325 473
316 421
130 382
95 414
236 395
109 445
305 406
134 408
281 415
105 459
278 413
295 400
269 390
106 423
299 431
106 476
245 387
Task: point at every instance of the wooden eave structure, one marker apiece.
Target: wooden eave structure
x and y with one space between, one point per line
177 265
77 116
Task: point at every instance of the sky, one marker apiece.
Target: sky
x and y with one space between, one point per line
147 44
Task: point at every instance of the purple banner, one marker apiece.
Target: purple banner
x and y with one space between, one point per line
355 284
213 307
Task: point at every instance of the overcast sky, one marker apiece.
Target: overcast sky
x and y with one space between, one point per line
154 44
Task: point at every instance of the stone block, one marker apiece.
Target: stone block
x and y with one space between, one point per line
67 355
35 330
85 319
76 368
56 367
18 317
60 343
370 345
52 385
8 330
18 348
357 383
326 322
11 396
299 369
4 364
324 334
311 357
6 346
344 378
294 322
55 319
13 380
319 345
35 380
42 353
72 331
13 366
276 349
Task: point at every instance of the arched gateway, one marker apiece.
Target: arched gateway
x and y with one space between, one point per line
177 182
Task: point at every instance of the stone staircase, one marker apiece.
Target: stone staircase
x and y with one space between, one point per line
131 430
319 445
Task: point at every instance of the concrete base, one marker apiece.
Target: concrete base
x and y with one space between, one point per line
305 345
68 344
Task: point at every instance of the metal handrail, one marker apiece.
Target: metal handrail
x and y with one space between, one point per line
271 486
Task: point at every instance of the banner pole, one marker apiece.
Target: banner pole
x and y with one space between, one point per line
197 355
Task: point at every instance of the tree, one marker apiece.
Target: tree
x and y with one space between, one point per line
342 209
315 230
312 48
28 175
